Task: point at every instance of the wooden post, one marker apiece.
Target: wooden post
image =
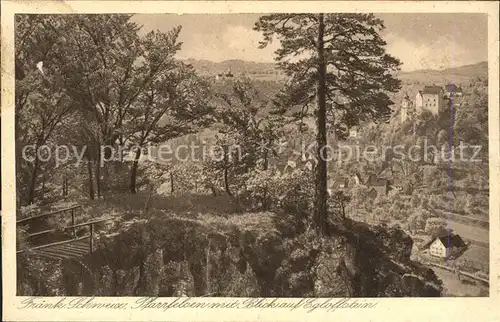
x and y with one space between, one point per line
73 222
91 238
171 182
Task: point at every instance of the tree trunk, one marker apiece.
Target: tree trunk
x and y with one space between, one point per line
67 184
34 174
265 204
226 177
98 174
321 193
64 185
44 178
133 173
172 182
226 182
91 181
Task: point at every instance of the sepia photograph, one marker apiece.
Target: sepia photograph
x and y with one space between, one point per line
252 155
284 162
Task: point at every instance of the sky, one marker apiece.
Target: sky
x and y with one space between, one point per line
420 41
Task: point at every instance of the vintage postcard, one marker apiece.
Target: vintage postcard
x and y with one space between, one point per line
250 160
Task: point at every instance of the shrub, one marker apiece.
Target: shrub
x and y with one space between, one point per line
272 189
435 226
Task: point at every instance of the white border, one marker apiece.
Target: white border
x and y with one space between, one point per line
408 309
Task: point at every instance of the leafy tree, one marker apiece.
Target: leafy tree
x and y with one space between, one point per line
174 102
243 136
103 73
339 62
41 99
435 226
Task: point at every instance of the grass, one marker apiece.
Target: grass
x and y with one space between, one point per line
179 204
217 212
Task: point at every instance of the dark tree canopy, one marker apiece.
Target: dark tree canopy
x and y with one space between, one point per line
337 61
359 71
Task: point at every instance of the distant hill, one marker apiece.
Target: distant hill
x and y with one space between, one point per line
265 71
414 81
269 79
457 75
268 71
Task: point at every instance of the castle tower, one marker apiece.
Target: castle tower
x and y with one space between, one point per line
407 109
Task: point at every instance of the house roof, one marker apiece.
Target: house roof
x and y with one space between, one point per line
339 180
457 100
397 181
453 88
432 90
451 240
371 193
373 180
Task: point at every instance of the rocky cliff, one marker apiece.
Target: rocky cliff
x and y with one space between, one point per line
244 256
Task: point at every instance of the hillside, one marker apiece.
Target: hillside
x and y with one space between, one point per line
252 69
457 75
265 71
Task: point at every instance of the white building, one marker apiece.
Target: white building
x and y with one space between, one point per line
445 246
430 99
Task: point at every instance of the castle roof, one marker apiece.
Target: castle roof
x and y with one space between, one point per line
432 90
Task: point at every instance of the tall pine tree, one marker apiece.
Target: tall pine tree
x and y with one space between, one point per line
337 61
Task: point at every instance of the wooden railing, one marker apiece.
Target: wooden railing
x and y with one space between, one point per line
75 238
73 227
71 209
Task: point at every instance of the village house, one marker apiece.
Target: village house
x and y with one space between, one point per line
446 245
430 99
229 74
379 185
452 90
396 184
339 182
354 132
357 179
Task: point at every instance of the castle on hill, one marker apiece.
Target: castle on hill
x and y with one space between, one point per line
228 74
430 98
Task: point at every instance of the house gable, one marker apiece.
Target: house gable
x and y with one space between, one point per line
453 90
438 249
437 243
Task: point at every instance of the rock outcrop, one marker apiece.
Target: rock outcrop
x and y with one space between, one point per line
244 256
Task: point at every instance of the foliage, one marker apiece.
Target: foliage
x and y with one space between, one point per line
339 62
244 140
435 226
349 40
94 82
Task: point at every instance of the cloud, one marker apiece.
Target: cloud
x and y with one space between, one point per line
440 53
